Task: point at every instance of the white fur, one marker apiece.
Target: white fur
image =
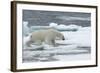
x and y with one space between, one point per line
48 36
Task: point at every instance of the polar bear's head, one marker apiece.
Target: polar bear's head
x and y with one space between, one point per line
60 36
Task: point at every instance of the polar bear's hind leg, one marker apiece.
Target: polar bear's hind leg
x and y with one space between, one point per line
38 42
28 43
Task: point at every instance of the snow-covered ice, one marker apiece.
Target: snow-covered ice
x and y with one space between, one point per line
53 24
77 46
25 28
69 27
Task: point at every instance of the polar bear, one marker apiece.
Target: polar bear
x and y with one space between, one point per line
48 36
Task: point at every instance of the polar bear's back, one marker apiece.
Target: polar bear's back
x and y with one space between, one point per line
43 34
38 35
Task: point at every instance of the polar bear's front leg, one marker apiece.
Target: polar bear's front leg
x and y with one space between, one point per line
53 42
50 42
38 42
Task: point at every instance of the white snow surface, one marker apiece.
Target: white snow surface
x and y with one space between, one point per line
53 24
64 27
70 46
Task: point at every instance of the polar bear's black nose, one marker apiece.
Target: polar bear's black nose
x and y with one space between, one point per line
63 38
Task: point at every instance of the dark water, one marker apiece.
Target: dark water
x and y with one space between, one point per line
44 18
